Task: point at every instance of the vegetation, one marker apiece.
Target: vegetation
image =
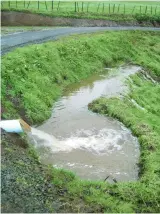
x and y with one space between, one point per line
117 11
33 77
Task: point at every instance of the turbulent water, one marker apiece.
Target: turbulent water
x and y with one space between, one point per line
91 145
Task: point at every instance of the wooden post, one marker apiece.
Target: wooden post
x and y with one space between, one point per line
58 5
98 7
75 6
156 10
82 6
113 8
52 4
133 9
88 7
46 5
118 8
28 4
146 10
124 8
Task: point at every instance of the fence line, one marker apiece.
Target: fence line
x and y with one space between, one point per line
92 7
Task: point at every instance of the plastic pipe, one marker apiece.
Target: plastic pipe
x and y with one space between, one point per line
15 126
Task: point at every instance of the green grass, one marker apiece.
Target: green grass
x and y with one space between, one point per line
35 76
90 6
92 9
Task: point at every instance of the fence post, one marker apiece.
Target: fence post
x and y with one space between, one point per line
58 5
9 4
103 8
46 5
109 9
124 8
118 8
98 7
156 10
38 4
82 6
28 4
88 7
16 3
151 9
113 8
75 4
146 10
133 9
77 7
52 4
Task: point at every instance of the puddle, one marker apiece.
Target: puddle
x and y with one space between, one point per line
89 144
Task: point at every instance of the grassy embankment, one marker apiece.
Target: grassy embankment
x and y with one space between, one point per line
35 76
116 11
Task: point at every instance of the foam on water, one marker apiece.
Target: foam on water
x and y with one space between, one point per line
101 142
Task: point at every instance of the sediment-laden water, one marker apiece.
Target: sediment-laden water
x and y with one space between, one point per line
91 145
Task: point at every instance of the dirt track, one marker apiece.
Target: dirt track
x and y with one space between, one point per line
10 42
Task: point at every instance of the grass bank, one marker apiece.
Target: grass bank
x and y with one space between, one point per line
115 11
35 76
99 7
92 15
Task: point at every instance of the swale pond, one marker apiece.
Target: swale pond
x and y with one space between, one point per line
91 145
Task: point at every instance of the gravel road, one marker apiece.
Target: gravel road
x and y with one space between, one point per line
10 42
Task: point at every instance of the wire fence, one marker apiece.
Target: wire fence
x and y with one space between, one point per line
87 7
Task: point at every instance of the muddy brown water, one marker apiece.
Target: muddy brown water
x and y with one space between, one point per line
91 145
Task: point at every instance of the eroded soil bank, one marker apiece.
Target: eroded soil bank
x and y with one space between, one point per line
13 18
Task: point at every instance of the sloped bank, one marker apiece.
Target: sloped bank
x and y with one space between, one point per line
29 18
33 77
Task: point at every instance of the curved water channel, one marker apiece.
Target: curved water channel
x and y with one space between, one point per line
91 145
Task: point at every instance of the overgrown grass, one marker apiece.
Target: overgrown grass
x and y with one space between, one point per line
103 7
117 11
35 76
